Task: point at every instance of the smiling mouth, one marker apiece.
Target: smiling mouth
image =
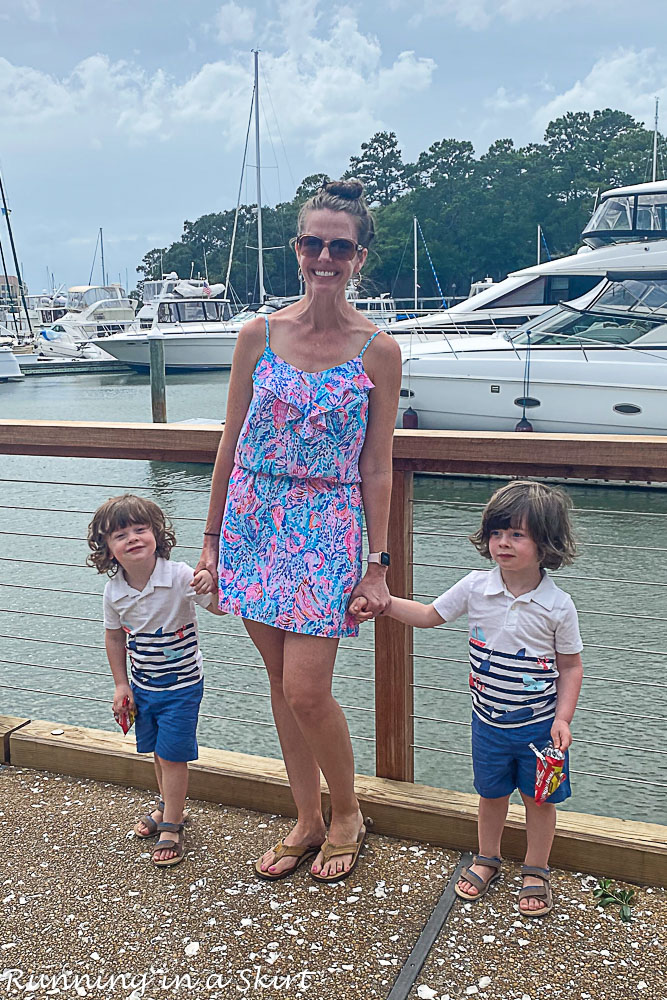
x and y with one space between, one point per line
325 274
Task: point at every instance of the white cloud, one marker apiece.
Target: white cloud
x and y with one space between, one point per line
478 14
502 101
627 79
234 23
327 82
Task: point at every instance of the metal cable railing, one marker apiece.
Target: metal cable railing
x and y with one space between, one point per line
429 718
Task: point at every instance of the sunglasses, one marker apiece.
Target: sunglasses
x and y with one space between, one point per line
339 248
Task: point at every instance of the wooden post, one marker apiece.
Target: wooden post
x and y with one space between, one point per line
158 390
394 726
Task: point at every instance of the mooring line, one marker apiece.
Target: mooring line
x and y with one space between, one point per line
415 961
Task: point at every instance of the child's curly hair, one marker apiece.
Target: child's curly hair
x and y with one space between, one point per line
120 512
542 511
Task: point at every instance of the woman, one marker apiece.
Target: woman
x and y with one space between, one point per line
308 435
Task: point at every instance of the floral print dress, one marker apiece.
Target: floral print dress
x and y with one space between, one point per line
290 543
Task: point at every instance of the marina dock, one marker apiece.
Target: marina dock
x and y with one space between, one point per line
78 888
32 367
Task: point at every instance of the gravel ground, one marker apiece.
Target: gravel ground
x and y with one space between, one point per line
82 904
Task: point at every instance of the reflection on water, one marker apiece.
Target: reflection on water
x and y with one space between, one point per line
618 584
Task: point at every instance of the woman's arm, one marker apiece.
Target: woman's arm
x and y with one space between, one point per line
375 466
248 351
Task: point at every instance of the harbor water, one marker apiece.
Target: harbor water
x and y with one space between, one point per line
53 665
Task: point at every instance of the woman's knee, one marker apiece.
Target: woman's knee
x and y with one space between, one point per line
311 700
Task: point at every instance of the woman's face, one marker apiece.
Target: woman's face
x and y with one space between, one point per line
323 274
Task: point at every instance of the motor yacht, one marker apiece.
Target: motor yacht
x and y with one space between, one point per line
92 311
198 327
597 365
623 234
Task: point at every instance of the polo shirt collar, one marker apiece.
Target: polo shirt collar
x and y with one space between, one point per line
544 594
160 577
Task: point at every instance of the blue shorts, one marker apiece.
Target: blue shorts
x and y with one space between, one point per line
167 721
502 759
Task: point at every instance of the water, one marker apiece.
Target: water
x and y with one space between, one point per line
619 591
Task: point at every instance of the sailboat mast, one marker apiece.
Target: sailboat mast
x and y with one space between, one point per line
16 260
414 246
655 142
260 250
104 280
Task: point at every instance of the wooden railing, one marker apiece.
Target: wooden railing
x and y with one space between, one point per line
600 457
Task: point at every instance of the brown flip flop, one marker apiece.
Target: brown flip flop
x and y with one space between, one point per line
330 851
300 851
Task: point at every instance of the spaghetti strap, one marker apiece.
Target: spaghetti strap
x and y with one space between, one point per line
367 344
266 324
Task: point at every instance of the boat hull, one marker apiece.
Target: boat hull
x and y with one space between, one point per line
187 352
9 366
565 395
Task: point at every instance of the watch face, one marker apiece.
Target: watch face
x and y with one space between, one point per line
384 558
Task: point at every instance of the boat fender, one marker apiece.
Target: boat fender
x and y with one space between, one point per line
411 419
524 425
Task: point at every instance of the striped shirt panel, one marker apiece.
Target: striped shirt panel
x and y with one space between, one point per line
165 660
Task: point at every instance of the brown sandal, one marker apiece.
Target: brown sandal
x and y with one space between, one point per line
482 885
542 892
302 852
330 851
169 845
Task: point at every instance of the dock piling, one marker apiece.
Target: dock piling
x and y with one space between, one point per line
158 387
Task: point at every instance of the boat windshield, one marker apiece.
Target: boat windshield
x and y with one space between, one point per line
622 312
78 299
624 218
194 311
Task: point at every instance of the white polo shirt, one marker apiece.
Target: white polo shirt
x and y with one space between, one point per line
161 625
512 645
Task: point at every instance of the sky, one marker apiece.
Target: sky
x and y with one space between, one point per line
131 115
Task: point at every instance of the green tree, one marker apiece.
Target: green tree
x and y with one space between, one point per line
380 168
310 185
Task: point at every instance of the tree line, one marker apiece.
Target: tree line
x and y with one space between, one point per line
479 216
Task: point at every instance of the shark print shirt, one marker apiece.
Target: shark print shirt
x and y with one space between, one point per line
512 644
160 623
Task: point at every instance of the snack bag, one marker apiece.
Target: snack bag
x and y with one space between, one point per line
549 771
125 718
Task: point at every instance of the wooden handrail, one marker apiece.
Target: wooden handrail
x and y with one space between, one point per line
621 458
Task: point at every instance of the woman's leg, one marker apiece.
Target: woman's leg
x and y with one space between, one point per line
308 663
302 768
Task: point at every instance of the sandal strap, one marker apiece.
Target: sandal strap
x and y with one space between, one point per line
169 845
536 892
282 850
481 859
338 850
149 822
469 875
160 805
170 827
543 873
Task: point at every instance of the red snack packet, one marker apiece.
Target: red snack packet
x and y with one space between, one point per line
549 772
125 718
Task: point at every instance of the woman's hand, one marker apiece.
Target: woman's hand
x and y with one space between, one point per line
208 559
373 588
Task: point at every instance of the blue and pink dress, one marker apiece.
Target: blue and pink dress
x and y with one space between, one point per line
290 543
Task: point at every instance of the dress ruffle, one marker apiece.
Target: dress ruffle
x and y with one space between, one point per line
306 403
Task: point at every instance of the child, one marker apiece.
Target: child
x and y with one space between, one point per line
149 612
525 672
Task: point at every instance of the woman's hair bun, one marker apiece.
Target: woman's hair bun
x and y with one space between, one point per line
350 189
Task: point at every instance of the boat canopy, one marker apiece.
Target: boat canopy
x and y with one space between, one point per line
82 296
632 213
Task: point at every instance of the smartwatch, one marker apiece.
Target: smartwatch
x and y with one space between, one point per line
378 557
